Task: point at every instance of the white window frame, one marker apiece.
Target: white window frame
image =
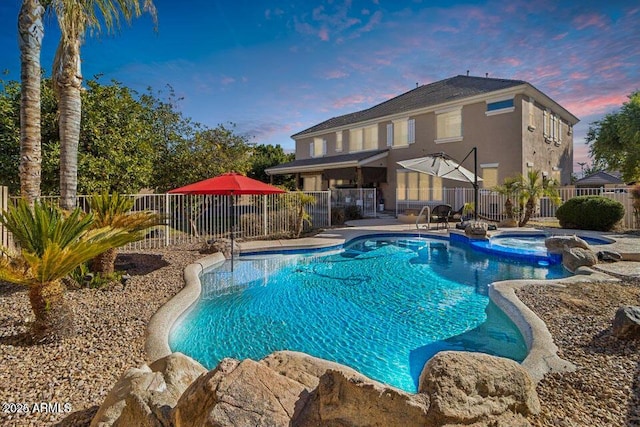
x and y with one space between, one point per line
389 134
339 141
411 131
501 110
448 112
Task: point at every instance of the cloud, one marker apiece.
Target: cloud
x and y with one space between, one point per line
335 74
581 22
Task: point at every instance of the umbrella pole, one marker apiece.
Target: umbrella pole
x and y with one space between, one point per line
475 183
233 227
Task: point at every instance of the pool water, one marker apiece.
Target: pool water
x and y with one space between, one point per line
383 306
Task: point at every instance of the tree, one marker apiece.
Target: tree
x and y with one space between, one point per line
531 188
266 156
208 153
74 18
30 34
615 140
116 152
53 243
114 210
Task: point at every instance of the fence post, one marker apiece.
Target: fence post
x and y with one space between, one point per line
4 198
264 214
167 228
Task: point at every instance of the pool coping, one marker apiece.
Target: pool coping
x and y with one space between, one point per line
542 355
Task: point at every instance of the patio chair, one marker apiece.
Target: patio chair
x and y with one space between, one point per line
441 214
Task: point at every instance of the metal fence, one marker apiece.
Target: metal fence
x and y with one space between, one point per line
364 198
5 236
491 204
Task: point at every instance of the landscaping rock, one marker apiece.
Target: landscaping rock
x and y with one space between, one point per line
609 256
221 245
476 230
573 258
626 323
467 388
557 244
343 399
237 393
145 396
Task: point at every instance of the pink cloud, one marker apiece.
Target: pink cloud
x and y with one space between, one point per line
587 106
323 34
560 36
589 20
335 74
227 80
514 62
578 75
350 100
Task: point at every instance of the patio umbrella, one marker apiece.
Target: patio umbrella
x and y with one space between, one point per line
229 184
444 166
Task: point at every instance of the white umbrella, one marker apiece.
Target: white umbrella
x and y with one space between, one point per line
444 166
439 164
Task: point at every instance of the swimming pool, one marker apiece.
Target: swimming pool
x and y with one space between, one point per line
382 305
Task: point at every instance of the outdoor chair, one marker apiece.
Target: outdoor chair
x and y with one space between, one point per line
441 214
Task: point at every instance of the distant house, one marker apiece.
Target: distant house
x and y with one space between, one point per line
515 127
599 179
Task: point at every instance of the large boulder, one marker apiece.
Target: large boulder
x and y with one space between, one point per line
343 399
626 323
467 388
574 258
236 393
556 244
144 396
476 229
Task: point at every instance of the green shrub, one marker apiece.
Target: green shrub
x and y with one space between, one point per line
337 216
352 212
590 213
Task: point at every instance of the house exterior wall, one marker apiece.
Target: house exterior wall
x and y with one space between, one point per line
511 140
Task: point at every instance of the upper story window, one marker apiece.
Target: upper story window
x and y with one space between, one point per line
552 127
449 125
401 133
499 106
318 147
362 139
339 141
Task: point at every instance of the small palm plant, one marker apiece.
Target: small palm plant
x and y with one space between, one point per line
530 189
509 188
114 210
302 216
52 243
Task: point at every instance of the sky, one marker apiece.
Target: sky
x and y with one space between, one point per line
275 68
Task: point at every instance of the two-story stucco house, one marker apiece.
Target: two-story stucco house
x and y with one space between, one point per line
514 126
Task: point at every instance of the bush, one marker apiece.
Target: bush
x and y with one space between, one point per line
352 212
337 216
590 213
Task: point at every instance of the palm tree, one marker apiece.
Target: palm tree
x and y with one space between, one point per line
74 18
114 210
30 34
301 201
53 243
508 189
530 189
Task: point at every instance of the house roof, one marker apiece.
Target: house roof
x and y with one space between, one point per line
443 91
600 178
330 162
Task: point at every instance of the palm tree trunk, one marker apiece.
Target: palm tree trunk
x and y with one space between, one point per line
68 83
105 262
31 32
54 319
528 212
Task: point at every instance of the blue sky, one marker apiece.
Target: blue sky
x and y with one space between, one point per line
277 67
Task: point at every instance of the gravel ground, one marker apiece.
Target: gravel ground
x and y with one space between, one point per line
73 377
79 372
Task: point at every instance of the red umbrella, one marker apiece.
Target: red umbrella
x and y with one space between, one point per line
229 184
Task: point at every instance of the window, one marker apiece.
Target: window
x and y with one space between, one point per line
489 175
363 138
339 141
532 109
418 186
545 123
312 183
390 135
449 125
404 132
499 106
552 127
318 147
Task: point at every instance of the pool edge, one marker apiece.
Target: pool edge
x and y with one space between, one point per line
542 355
